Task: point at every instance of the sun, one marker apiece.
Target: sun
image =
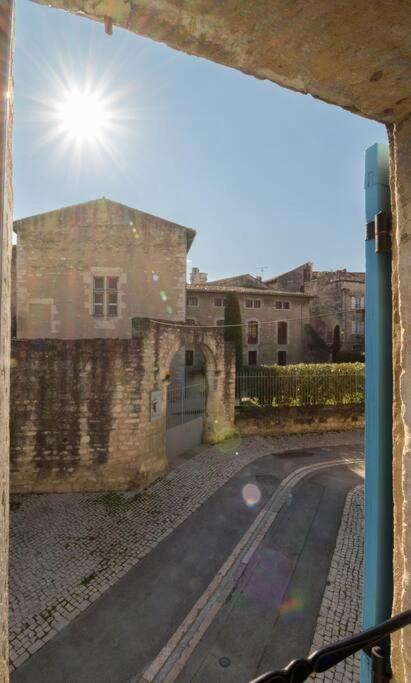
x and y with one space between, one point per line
83 116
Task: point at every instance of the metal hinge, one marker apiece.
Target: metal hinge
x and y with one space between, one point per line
380 230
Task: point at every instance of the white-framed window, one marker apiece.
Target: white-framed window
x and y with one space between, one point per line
357 303
282 332
253 303
252 332
105 296
219 301
192 300
279 305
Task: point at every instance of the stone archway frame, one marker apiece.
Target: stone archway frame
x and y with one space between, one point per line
166 340
354 55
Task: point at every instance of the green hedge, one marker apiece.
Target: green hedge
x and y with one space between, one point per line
303 369
303 384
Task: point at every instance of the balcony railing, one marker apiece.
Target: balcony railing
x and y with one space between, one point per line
374 641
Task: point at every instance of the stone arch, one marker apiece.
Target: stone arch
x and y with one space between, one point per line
161 341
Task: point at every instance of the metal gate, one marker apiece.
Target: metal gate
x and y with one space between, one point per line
186 405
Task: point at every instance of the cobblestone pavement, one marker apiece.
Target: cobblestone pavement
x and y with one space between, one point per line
340 613
67 549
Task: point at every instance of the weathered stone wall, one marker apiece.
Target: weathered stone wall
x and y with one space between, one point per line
400 179
298 420
80 409
294 280
6 218
331 306
162 342
80 416
59 253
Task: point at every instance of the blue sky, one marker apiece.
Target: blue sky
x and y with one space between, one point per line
268 178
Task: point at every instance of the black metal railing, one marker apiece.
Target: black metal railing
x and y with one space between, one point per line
374 641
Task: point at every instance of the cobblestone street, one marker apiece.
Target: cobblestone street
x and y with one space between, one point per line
68 549
340 613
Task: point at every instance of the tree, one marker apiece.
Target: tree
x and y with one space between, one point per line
336 347
233 331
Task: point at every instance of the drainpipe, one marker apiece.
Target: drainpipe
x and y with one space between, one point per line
378 543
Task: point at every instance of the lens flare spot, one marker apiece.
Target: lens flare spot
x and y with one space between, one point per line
169 310
163 295
251 494
229 446
291 606
131 223
156 277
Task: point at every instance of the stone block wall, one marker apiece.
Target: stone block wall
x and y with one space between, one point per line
80 416
81 413
298 420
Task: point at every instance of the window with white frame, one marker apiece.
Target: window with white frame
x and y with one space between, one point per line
282 305
357 302
192 300
253 303
105 296
219 301
252 332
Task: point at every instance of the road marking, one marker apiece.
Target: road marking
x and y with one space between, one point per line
174 655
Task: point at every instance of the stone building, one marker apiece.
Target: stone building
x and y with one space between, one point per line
337 309
86 270
274 321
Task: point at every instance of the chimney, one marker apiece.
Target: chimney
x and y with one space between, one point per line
197 278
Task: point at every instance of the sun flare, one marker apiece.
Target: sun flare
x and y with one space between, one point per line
84 116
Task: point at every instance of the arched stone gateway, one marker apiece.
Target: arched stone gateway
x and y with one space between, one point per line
165 340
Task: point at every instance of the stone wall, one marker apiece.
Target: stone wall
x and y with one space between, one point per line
80 416
400 180
6 218
298 420
80 409
61 252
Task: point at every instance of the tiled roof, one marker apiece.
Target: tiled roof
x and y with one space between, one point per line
244 290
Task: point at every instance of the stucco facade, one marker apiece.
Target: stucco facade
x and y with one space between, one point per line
262 313
85 271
